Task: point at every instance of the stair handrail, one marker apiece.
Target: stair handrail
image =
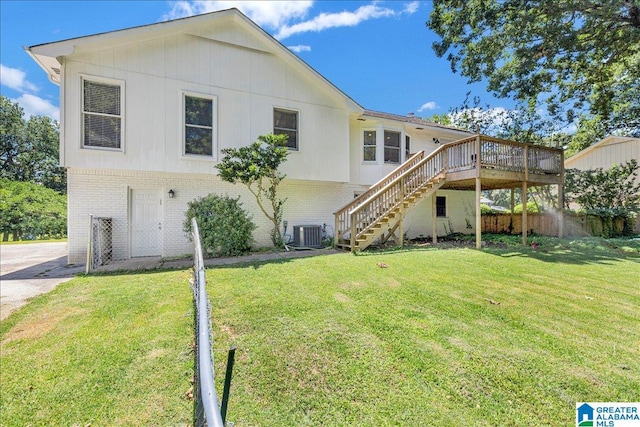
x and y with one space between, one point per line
390 176
360 225
402 176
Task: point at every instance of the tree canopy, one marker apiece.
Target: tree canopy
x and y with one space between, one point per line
29 148
576 56
30 210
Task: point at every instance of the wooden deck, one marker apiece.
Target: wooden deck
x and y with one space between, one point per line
476 163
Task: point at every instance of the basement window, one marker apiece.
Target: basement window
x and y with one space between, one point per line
441 206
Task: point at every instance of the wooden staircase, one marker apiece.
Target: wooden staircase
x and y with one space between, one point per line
471 164
378 213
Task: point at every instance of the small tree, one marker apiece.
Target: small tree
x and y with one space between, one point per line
225 228
256 166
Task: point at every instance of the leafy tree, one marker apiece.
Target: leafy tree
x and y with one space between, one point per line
569 54
256 166
31 210
519 124
616 188
225 227
29 148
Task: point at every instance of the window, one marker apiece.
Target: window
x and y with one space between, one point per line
198 125
441 206
285 122
369 154
102 113
391 147
407 146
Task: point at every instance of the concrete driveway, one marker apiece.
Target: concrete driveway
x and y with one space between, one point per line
28 270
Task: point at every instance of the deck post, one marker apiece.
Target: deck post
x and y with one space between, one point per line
524 213
560 211
434 219
478 154
478 214
513 205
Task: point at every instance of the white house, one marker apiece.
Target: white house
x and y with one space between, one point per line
612 150
147 110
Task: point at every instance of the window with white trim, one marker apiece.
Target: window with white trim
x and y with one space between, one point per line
391 146
199 125
407 147
102 113
285 122
369 146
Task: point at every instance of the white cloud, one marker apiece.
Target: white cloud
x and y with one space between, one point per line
269 14
299 48
333 20
411 8
36 106
287 18
431 105
16 80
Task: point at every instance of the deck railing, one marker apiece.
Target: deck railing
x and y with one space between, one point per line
361 214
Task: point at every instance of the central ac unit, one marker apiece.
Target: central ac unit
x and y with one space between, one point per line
309 236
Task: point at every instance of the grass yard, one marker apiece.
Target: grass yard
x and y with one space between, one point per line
101 351
500 337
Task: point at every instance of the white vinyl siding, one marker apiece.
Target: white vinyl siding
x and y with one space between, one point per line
199 125
102 113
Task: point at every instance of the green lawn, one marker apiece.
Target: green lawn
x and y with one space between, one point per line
504 336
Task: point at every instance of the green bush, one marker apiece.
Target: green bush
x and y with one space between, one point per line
486 210
532 207
225 227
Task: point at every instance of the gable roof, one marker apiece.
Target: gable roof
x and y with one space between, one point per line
47 54
416 121
609 140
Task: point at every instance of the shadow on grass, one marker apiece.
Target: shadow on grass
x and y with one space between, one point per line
578 251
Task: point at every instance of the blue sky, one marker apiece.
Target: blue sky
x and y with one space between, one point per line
378 53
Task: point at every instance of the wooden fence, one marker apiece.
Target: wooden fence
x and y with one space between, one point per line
546 224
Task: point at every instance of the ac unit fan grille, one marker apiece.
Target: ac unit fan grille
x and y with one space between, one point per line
309 236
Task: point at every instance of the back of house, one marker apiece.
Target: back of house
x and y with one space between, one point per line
146 111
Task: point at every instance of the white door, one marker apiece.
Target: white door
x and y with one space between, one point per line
146 223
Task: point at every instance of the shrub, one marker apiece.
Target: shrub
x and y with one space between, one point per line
532 207
225 227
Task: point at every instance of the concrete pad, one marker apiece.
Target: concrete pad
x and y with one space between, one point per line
31 269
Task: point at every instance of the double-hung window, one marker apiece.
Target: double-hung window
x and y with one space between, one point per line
369 150
391 147
199 125
285 122
102 113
